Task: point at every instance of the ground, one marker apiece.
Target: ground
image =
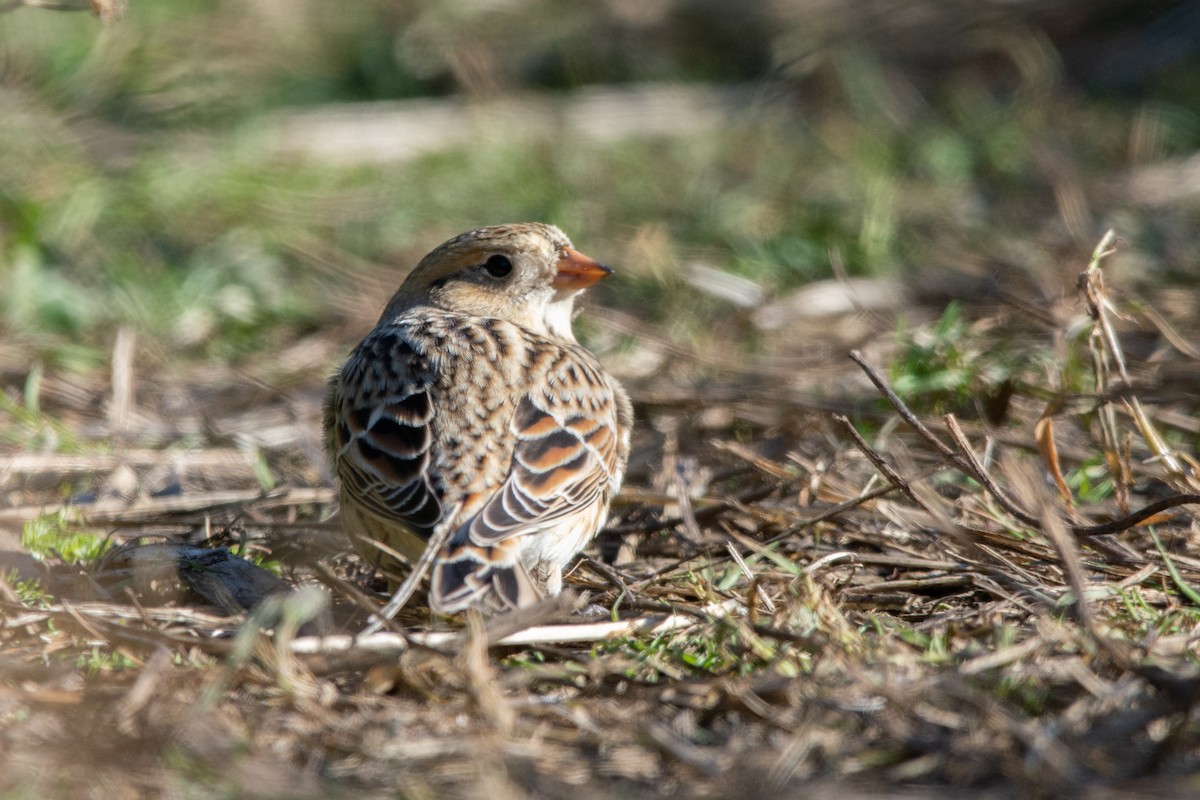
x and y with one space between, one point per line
801 616
912 502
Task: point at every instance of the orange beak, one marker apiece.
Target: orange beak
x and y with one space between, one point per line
577 271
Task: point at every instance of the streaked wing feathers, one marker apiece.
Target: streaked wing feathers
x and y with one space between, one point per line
564 459
381 435
494 574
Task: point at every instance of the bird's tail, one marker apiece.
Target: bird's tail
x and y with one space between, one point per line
465 575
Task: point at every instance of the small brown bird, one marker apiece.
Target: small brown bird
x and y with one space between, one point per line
469 430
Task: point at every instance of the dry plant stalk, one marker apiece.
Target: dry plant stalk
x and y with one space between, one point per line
1106 352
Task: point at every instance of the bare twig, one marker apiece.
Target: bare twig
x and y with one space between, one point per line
402 594
674 619
873 456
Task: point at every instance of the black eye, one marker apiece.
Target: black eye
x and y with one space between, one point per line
498 266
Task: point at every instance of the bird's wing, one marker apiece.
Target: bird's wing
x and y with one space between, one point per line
378 426
566 456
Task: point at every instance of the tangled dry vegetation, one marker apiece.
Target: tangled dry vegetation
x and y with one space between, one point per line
795 592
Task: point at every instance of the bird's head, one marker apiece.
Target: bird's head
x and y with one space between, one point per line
526 273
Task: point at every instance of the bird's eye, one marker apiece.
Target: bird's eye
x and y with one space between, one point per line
498 266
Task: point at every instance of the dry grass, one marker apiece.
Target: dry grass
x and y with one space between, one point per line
910 602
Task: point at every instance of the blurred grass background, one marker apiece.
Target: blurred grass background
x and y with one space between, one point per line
173 170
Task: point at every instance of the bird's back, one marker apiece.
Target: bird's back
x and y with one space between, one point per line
472 374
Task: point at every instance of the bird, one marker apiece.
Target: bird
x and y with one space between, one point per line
470 432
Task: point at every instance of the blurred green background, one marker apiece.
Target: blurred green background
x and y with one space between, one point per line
226 178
